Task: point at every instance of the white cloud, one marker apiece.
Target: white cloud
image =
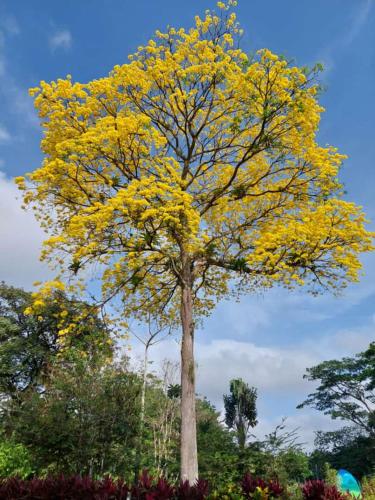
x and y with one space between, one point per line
61 40
20 240
4 134
271 370
344 342
276 372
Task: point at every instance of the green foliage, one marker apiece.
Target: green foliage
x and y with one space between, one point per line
283 456
229 491
293 491
217 452
368 488
369 363
84 422
15 460
290 466
330 475
346 448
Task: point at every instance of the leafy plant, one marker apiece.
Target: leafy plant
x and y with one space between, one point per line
368 488
14 460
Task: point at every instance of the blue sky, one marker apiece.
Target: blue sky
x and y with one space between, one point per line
267 339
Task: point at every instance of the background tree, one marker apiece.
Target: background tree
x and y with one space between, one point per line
346 389
240 409
347 448
29 343
188 173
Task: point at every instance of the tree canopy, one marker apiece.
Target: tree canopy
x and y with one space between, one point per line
194 144
30 342
346 389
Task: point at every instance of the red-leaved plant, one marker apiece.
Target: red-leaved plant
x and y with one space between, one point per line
319 490
250 484
86 488
147 488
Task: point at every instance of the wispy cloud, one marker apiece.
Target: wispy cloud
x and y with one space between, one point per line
61 40
4 134
2 54
329 54
358 22
10 25
20 103
16 97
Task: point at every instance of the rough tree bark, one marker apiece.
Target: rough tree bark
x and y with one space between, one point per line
189 454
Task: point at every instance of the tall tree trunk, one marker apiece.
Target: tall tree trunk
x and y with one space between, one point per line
189 454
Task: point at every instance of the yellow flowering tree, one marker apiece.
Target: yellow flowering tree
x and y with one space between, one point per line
189 173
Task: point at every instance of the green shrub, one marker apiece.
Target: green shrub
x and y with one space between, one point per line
14 460
293 491
230 491
368 488
330 475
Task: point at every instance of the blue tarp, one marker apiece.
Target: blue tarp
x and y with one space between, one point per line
348 484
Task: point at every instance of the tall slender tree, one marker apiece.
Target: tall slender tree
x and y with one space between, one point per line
190 172
154 335
240 409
